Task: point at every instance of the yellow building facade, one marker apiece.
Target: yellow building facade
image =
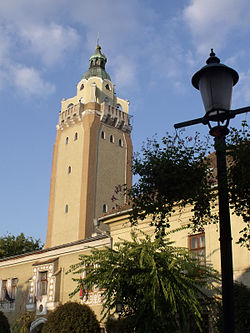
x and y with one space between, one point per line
91 158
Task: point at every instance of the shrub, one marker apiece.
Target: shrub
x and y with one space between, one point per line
23 322
123 325
241 309
4 324
72 317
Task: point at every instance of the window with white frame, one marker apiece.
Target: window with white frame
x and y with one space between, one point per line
43 283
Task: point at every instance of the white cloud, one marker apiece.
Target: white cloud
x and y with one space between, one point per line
51 42
30 82
124 72
31 38
241 93
212 22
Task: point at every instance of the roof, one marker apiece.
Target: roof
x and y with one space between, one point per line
97 65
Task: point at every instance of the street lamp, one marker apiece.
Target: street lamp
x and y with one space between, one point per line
215 82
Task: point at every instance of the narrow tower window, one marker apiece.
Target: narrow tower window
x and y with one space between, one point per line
67 140
104 208
111 138
120 143
76 136
103 135
82 86
66 208
69 169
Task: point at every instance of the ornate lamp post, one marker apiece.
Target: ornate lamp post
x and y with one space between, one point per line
215 82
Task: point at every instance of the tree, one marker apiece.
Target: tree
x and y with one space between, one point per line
177 173
173 174
4 324
160 286
239 177
11 245
72 317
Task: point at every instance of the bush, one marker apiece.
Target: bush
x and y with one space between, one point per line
123 325
23 322
4 324
72 317
241 309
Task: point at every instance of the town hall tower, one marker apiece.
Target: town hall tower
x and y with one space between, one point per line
92 156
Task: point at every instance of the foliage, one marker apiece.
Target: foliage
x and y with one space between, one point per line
241 309
122 325
72 317
11 245
177 173
23 322
153 280
173 175
239 177
4 324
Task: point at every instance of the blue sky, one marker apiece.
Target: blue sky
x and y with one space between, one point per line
153 49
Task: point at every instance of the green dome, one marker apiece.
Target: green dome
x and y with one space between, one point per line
97 65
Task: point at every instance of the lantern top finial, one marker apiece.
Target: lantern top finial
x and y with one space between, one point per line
213 59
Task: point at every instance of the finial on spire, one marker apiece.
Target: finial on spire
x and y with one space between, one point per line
98 38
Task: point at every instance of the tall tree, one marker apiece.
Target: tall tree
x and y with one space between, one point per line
159 286
11 245
173 174
177 173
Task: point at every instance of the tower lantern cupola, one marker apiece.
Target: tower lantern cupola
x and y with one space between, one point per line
97 65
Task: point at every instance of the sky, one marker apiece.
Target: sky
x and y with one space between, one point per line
153 49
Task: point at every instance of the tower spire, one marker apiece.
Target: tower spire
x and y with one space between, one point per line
97 64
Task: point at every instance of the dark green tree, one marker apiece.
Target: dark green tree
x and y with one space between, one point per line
11 245
178 173
239 177
173 175
4 324
160 286
72 317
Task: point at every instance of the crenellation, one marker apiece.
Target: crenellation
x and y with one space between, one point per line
71 115
115 117
109 114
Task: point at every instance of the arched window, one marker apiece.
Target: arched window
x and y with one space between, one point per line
111 138
82 86
104 208
119 106
120 143
69 169
76 136
66 208
67 140
103 136
70 105
107 87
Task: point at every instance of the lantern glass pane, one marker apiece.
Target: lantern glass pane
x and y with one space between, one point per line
215 86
